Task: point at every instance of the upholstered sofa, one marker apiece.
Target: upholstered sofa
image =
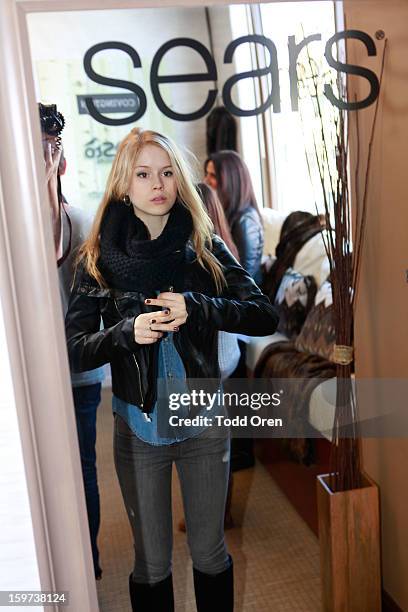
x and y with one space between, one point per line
311 260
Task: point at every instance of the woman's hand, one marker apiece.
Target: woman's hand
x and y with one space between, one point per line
174 313
143 331
52 156
149 327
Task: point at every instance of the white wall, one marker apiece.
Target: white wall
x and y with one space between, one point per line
381 321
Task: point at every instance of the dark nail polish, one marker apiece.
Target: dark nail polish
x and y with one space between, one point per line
153 321
147 301
166 312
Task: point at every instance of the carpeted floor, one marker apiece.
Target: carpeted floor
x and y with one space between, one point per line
275 553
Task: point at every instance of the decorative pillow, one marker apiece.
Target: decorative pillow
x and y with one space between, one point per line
293 301
312 258
272 221
318 335
266 265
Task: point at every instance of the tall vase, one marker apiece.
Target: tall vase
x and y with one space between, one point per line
349 537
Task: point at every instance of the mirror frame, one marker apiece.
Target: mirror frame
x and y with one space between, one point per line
33 315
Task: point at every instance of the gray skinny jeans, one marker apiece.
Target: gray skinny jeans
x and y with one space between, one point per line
145 472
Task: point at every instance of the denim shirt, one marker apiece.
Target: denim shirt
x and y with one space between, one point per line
146 427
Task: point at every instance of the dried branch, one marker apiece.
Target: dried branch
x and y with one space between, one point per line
331 155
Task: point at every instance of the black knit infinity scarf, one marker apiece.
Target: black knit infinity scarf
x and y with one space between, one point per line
130 261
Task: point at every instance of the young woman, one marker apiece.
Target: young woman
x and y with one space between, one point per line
70 226
216 213
228 348
227 173
164 286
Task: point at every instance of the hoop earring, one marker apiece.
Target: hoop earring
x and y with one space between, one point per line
126 200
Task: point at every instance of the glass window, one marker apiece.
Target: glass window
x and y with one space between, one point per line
292 187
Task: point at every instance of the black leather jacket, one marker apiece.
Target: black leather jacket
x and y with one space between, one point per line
241 308
248 235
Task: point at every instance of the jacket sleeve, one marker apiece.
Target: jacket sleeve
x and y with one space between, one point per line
242 307
248 237
90 347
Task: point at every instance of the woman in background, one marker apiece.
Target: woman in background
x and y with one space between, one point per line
216 213
228 347
228 174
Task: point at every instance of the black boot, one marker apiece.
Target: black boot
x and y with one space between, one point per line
214 593
156 597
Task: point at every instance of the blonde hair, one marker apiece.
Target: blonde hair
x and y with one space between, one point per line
118 186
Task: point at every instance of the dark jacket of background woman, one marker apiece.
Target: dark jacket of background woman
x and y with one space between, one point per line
247 233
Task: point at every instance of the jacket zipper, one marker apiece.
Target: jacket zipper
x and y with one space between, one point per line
138 370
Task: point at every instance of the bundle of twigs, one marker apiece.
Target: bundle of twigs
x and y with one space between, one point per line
343 241
345 470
